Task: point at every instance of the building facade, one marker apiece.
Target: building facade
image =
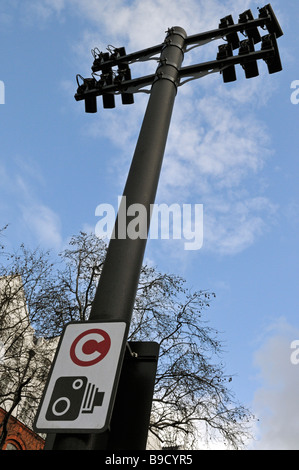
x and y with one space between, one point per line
24 364
19 436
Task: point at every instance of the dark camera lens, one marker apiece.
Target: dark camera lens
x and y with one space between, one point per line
61 406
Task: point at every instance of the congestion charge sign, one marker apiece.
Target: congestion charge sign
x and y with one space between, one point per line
82 384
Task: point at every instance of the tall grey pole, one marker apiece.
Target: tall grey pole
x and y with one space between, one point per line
116 291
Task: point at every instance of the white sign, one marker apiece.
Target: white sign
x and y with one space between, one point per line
82 385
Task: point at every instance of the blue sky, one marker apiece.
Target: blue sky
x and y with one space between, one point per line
231 147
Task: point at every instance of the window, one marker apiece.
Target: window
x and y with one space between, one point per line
12 444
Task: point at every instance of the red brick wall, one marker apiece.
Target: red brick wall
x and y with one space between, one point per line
21 437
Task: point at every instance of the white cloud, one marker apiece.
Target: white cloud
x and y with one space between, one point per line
143 22
214 150
276 401
44 223
45 9
232 232
20 183
217 139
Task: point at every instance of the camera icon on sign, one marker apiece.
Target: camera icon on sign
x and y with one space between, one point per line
72 396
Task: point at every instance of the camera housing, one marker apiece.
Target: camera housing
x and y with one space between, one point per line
72 396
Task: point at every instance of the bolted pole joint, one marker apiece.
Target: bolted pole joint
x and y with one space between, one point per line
172 56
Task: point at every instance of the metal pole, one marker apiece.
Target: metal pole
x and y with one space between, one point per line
116 291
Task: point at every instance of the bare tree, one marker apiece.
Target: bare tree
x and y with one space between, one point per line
16 397
193 400
24 360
